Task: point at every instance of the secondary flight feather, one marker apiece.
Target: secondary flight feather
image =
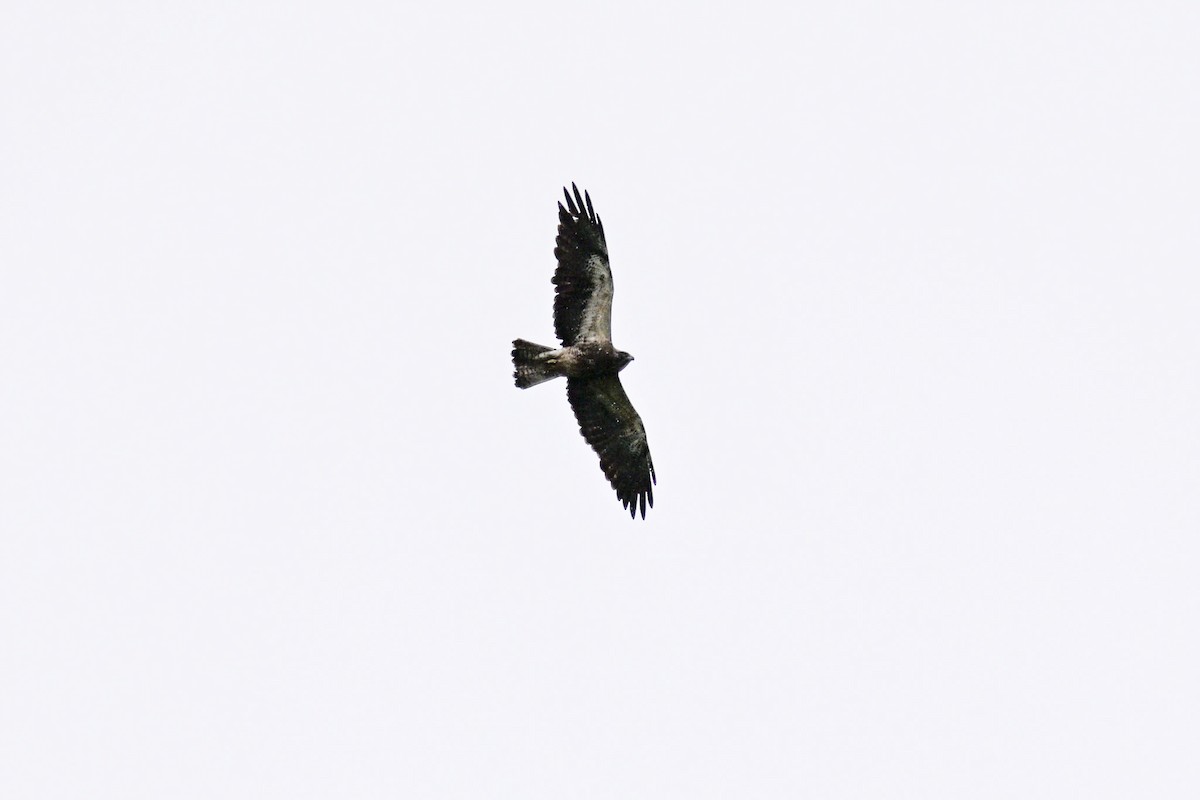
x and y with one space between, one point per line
587 359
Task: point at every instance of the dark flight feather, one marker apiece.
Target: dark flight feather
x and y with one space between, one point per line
613 428
583 279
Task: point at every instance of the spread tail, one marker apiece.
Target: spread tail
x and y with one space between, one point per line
529 366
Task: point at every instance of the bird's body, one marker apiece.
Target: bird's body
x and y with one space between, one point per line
588 359
583 360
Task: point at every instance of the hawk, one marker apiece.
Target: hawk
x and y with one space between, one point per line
587 358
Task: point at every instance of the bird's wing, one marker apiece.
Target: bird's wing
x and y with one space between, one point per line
583 299
614 430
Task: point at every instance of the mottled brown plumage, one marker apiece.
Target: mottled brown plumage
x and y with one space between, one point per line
588 360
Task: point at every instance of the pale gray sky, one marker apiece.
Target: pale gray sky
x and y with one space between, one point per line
912 291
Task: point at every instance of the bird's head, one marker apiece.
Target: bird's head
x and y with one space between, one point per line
623 360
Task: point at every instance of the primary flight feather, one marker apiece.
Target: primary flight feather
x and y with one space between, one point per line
583 323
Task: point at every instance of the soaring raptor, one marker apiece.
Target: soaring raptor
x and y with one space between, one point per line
588 360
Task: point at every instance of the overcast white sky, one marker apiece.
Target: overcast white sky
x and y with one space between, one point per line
912 291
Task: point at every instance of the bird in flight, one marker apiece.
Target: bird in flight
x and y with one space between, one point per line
587 358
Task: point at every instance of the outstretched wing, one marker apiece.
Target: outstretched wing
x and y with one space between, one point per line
615 431
583 299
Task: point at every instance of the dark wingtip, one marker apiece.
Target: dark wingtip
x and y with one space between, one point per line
579 206
638 503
